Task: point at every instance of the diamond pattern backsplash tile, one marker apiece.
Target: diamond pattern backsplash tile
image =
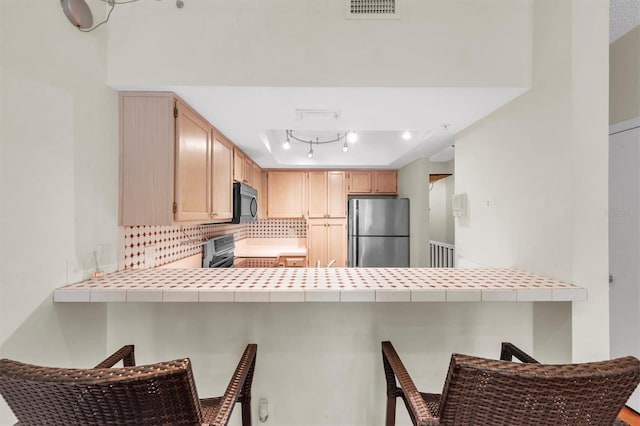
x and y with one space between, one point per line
278 228
166 244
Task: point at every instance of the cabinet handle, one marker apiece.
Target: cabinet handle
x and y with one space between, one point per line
215 214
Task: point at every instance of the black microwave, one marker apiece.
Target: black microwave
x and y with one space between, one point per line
245 203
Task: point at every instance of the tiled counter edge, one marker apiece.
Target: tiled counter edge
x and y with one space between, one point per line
322 285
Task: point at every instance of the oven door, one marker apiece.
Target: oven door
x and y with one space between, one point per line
223 261
245 203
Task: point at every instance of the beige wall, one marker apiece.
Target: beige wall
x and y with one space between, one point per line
624 83
535 173
58 183
310 43
413 183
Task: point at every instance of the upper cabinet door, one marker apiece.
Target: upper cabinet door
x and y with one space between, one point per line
317 190
360 182
385 181
248 171
263 195
327 194
238 166
222 179
193 152
286 194
336 194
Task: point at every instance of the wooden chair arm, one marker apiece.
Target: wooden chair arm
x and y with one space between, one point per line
125 354
239 388
509 350
416 406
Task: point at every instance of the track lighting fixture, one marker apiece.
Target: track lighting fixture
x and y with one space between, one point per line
345 137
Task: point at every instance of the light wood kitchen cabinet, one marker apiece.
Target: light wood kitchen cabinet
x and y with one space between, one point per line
286 194
327 194
292 261
373 182
173 167
327 241
238 165
221 178
248 172
256 177
147 161
360 182
385 182
263 195
193 149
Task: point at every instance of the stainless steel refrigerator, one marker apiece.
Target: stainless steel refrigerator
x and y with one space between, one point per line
379 232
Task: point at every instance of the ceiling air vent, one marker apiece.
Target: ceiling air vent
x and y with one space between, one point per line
372 9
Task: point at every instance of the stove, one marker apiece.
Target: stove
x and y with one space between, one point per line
218 252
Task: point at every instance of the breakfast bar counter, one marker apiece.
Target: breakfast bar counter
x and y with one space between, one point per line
321 285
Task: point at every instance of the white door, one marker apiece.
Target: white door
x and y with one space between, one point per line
624 242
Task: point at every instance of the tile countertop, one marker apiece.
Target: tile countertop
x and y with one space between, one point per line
271 247
321 285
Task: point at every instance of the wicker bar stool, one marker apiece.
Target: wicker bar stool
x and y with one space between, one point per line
480 391
155 394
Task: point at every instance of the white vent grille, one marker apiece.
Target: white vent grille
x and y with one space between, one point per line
372 9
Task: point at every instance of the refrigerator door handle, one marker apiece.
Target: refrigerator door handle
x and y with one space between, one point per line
356 242
356 250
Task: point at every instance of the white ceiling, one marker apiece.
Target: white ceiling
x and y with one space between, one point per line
255 118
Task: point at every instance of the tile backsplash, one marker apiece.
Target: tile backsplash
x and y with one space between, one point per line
278 228
166 244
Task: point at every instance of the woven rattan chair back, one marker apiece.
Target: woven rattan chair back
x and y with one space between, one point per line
155 394
481 391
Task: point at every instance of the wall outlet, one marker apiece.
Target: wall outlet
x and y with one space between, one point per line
149 256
